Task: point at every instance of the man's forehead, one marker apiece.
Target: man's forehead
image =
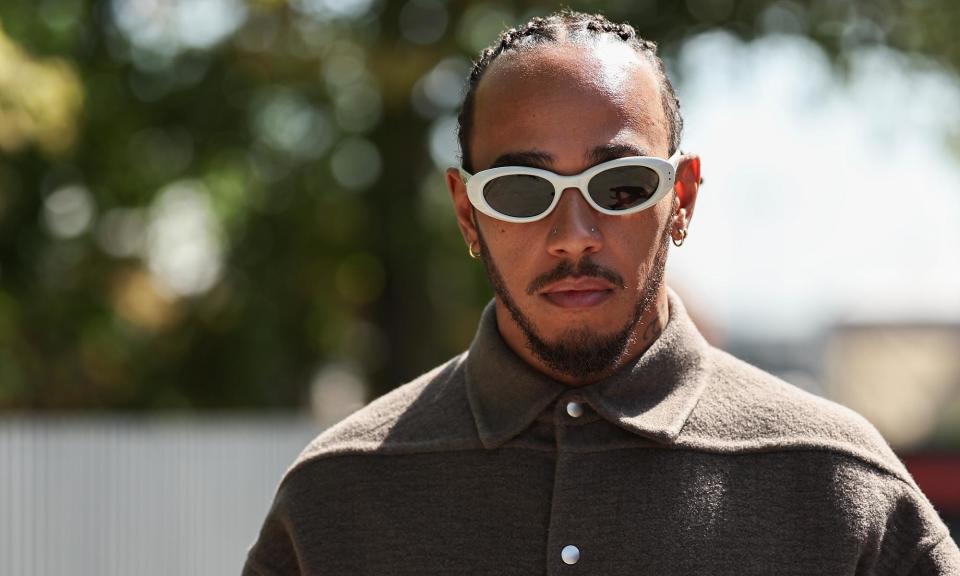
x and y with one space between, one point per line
588 96
605 65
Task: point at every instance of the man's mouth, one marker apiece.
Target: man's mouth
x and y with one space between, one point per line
577 298
578 292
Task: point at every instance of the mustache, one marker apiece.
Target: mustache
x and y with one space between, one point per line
585 268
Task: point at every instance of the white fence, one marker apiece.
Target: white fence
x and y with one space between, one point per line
105 496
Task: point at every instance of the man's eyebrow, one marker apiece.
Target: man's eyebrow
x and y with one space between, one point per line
540 159
609 152
531 158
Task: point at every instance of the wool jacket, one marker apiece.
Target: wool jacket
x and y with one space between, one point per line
687 461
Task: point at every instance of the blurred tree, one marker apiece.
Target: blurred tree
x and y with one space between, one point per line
202 204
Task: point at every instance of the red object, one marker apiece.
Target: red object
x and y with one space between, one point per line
938 475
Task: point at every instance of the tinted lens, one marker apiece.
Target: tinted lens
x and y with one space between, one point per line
623 187
519 195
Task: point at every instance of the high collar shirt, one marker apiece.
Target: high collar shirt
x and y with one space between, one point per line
685 461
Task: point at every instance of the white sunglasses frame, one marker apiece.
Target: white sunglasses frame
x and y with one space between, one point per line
665 169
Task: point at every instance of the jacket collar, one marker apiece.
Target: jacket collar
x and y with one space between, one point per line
652 396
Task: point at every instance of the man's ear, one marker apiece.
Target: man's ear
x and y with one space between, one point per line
687 185
462 206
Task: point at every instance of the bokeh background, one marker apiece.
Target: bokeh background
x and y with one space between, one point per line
223 226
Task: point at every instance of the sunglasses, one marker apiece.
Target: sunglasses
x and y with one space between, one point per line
521 194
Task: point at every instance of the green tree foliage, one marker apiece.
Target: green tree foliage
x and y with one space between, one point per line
204 202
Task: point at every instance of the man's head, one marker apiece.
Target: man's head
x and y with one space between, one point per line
556 29
578 289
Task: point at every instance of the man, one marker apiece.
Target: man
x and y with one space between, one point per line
590 429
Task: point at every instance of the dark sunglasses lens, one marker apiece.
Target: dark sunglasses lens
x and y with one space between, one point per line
623 187
519 195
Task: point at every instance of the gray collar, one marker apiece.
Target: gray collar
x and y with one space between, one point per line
652 396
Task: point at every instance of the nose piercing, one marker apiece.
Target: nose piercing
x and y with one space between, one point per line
555 230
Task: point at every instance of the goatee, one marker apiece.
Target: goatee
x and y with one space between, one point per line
580 353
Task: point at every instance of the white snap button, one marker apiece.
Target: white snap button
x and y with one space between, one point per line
570 554
575 409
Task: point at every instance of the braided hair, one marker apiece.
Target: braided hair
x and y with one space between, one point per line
556 28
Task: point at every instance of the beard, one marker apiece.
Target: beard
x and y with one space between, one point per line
580 352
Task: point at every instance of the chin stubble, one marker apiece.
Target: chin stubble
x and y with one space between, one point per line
580 352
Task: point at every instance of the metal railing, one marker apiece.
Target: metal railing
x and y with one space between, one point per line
131 496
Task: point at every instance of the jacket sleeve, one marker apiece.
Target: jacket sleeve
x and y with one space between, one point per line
275 552
942 558
913 539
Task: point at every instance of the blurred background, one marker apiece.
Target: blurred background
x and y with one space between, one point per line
223 226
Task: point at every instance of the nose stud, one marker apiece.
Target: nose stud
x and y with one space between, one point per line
555 230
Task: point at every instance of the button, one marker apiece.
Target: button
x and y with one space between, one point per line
575 409
570 554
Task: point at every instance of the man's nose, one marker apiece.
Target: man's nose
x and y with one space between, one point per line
574 227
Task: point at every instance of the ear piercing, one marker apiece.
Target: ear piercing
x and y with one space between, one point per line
683 236
470 251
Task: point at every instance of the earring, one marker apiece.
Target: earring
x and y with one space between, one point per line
683 236
470 251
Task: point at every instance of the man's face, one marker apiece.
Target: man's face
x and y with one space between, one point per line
575 286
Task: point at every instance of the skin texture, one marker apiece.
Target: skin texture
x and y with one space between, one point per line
566 107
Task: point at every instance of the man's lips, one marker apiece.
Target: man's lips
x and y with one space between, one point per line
578 292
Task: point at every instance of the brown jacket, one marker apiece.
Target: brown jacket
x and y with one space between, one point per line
689 461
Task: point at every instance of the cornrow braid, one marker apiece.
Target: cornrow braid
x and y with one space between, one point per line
559 26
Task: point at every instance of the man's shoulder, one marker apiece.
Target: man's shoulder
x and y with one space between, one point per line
745 409
430 413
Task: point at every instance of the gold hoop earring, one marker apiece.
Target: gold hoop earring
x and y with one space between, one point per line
470 251
683 236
